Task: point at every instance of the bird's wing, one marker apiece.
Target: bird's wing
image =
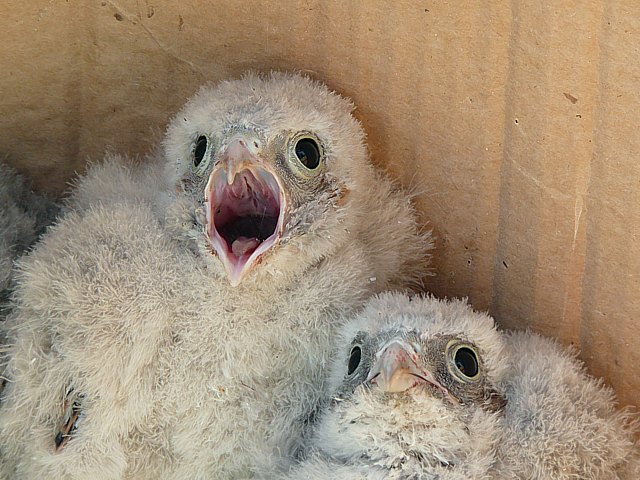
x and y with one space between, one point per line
90 314
558 419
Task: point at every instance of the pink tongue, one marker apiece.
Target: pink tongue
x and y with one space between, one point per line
243 245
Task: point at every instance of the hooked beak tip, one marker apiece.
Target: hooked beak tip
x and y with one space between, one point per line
231 175
394 368
236 156
234 278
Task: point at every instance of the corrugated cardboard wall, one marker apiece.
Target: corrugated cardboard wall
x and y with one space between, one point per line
516 124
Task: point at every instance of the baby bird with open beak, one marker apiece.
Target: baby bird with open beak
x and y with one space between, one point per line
175 322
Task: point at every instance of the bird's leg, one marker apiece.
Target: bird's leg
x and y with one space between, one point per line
72 413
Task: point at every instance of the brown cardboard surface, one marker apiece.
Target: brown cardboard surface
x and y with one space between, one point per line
515 124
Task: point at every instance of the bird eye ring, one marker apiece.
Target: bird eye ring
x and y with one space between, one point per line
354 359
463 362
201 155
306 154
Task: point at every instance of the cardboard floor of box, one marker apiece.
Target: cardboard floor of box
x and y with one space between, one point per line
516 124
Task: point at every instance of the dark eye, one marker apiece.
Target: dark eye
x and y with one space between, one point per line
354 359
308 153
200 150
466 362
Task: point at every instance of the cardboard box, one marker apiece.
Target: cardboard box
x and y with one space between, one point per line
517 125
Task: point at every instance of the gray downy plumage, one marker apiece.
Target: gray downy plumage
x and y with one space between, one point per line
23 216
176 322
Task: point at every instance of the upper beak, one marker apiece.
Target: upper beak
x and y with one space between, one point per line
245 207
237 156
395 368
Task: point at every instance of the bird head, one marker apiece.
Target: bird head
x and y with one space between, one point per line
447 367
415 381
262 167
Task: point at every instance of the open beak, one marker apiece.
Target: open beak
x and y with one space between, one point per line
395 370
245 208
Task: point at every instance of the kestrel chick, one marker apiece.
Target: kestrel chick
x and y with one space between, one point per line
413 394
176 321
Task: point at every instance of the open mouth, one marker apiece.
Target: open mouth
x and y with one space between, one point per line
245 215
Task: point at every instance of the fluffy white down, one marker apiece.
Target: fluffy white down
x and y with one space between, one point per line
183 375
319 467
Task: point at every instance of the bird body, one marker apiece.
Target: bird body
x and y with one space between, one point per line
560 422
176 321
318 466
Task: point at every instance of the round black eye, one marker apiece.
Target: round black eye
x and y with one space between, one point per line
466 362
200 150
354 359
308 153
